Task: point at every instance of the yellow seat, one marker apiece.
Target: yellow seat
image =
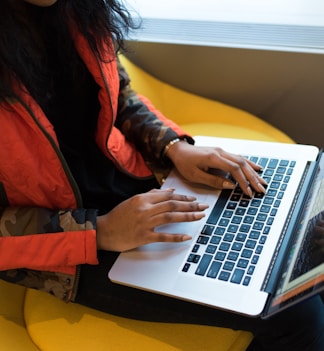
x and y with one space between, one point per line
31 320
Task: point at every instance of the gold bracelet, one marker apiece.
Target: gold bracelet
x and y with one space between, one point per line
167 146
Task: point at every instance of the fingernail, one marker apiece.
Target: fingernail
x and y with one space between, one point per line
261 188
202 206
249 191
170 189
186 237
228 185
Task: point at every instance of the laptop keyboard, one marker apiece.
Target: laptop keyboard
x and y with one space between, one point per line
232 239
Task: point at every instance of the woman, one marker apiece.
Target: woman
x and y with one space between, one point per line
79 149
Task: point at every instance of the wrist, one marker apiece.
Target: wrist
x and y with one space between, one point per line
169 145
171 148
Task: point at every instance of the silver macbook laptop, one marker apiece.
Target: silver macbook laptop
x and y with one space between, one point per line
249 256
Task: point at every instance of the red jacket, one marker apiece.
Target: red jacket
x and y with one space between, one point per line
37 188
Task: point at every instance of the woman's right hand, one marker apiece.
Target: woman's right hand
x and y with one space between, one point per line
132 223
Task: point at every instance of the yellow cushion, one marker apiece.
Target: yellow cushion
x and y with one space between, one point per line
54 325
13 332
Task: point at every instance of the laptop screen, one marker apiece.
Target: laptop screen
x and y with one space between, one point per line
303 273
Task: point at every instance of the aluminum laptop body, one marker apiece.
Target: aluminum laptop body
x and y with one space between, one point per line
268 284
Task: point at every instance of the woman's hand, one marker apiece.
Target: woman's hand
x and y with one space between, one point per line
194 164
132 222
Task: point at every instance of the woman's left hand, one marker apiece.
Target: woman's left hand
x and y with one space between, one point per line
194 164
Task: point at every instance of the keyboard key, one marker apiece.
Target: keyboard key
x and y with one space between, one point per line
220 256
241 237
274 185
203 265
244 203
250 244
229 237
283 187
214 269
246 281
186 267
281 170
240 211
236 197
223 222
245 228
273 163
208 229
252 211
211 249
262 217
195 248
242 263
268 200
255 202
248 219
265 209
202 240
263 239
250 271
224 246
284 163
255 259
246 253
254 235
237 276
224 276
233 228
237 246
219 206
215 239
236 220
219 230
258 226
278 177
228 213
228 266
272 192
263 162
259 249
233 256
231 205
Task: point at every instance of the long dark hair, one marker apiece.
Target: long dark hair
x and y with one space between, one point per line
22 45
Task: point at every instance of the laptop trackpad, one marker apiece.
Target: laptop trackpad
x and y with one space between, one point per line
221 295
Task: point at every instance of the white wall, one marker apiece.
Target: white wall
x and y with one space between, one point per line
291 25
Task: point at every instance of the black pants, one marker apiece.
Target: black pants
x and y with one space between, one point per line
300 328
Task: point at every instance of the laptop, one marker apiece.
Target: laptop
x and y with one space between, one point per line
255 256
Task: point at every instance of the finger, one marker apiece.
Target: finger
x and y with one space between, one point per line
162 195
171 238
242 170
175 217
173 205
213 180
